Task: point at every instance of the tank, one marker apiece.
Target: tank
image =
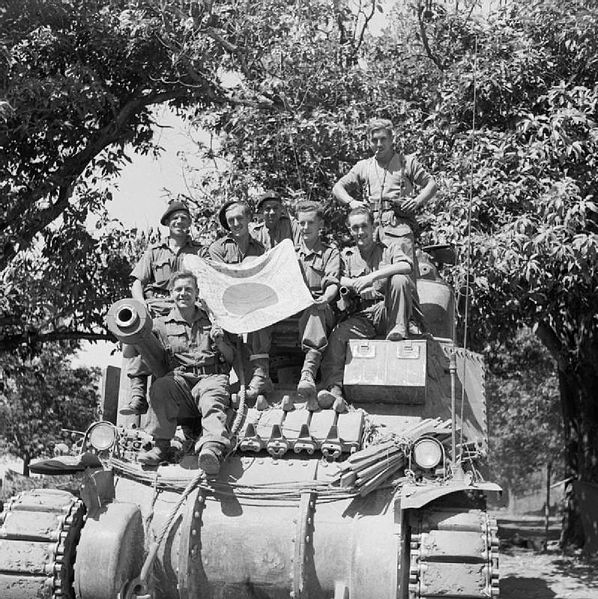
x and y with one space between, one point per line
385 501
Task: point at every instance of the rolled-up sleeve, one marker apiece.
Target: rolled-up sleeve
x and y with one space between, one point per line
332 268
143 268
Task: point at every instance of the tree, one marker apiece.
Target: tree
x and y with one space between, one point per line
78 81
506 119
524 418
39 397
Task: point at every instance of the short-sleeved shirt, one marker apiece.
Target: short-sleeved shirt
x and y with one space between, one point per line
354 265
188 344
320 266
227 250
159 262
383 188
288 228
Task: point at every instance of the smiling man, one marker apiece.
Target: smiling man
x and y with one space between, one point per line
393 186
200 357
234 248
320 266
378 275
276 224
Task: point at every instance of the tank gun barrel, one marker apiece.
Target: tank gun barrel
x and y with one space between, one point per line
130 322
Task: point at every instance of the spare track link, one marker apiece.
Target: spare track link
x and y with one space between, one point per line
453 554
39 531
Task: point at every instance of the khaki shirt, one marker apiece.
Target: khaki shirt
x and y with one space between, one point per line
159 262
226 249
383 188
321 266
287 229
188 344
355 265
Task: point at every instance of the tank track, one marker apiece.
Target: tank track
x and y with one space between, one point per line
39 531
454 554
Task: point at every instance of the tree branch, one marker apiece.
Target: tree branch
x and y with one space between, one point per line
550 340
12 341
424 37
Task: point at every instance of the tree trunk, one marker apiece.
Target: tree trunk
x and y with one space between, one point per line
26 462
578 381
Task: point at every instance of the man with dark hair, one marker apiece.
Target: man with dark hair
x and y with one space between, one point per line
392 185
320 265
197 384
276 224
234 248
378 275
150 285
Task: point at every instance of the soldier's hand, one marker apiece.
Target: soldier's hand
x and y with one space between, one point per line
361 283
216 333
356 204
370 294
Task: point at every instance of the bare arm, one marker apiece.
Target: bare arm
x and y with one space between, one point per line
137 290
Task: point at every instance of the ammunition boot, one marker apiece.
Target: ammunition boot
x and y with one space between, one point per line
137 406
326 398
306 388
260 383
161 452
211 455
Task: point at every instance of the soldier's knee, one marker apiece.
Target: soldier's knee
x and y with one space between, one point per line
162 387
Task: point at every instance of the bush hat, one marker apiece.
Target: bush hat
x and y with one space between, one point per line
267 195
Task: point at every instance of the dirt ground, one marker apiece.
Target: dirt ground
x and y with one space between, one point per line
529 574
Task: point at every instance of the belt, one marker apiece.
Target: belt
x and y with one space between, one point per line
202 369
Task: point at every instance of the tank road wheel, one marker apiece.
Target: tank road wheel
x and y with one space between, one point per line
39 532
110 551
453 553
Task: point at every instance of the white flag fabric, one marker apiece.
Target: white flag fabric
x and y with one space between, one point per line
255 294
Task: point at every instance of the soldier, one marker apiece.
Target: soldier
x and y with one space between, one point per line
200 358
378 275
150 285
276 224
320 265
387 184
234 248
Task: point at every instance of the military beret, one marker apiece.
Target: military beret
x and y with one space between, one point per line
226 206
175 206
268 195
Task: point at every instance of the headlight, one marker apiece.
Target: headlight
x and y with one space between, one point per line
101 435
427 453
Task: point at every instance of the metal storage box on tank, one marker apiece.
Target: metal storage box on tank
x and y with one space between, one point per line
386 371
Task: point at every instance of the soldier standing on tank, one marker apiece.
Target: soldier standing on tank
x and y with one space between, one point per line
234 248
392 185
320 266
379 276
276 223
200 357
151 276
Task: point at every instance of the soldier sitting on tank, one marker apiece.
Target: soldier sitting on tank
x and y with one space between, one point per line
200 356
151 276
234 248
320 265
276 223
376 280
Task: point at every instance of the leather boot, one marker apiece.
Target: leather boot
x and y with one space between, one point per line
211 455
159 453
306 388
260 383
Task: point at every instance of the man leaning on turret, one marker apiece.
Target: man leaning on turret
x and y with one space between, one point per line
392 185
200 356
